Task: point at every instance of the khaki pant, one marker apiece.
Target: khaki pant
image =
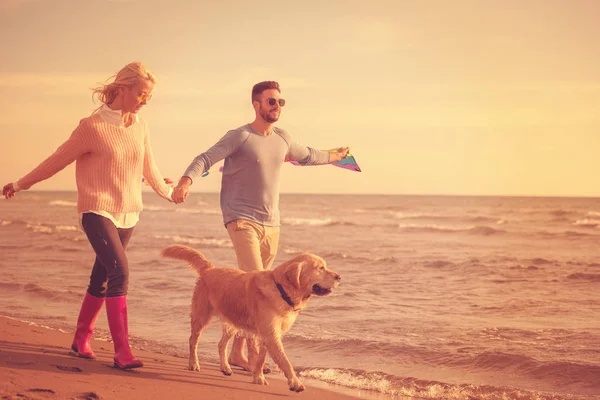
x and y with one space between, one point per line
255 244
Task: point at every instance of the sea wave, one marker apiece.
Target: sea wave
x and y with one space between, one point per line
587 223
326 222
319 342
379 209
38 292
438 264
480 230
417 215
50 229
593 264
411 387
484 230
561 372
442 217
207 211
292 250
307 221
357 379
13 222
525 267
584 277
164 286
156 208
40 228
360 259
14 246
576 234
568 234
63 203
332 256
541 261
67 228
561 213
202 241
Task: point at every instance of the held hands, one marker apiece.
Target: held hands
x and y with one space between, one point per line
181 191
339 154
8 191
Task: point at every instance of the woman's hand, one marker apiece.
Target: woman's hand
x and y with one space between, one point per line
8 191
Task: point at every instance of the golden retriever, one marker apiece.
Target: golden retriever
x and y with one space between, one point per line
260 304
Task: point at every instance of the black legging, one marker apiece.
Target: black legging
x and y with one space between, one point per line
110 275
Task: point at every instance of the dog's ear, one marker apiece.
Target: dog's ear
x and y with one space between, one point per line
292 274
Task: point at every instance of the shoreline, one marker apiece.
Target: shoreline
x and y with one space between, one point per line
36 363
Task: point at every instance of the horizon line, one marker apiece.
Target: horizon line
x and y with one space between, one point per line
378 194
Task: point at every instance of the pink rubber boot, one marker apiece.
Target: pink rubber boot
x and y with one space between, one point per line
116 311
90 309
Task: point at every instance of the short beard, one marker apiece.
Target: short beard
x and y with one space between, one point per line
269 119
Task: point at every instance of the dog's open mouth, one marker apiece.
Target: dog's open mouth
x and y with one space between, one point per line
319 291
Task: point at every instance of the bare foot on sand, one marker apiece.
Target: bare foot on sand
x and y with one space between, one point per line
243 364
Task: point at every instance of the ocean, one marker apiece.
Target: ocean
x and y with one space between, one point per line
442 297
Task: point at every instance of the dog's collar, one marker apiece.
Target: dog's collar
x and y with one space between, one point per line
285 296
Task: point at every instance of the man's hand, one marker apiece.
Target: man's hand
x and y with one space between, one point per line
8 191
339 154
181 191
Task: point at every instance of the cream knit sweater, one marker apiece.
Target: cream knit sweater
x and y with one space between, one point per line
110 161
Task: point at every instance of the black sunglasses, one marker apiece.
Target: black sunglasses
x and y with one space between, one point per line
273 100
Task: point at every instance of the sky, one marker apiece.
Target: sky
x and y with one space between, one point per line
433 97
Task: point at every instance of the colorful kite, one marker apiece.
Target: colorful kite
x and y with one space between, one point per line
348 163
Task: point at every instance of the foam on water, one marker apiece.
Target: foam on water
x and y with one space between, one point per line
205 242
412 388
208 211
63 203
307 221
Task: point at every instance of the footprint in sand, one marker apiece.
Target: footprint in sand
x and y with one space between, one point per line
90 396
38 390
65 368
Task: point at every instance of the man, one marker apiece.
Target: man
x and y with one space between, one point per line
254 154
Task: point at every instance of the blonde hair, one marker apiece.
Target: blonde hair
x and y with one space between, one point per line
128 76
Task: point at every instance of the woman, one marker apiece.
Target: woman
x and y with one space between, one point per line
112 152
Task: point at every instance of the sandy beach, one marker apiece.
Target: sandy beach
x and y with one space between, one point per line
35 364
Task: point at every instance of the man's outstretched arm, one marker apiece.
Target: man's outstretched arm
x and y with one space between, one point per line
309 156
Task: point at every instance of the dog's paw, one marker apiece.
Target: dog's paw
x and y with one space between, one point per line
194 366
260 380
295 385
225 368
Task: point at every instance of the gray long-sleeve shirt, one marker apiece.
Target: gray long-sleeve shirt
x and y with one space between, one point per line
251 173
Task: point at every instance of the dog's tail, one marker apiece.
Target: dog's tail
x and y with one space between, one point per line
192 256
